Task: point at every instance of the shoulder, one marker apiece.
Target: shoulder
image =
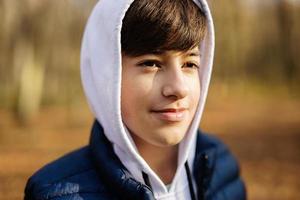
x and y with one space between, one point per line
70 176
224 181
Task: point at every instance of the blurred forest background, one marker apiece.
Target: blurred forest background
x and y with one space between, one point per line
253 104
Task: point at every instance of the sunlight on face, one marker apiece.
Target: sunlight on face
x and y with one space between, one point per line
159 95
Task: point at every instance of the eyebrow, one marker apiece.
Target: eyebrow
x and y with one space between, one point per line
188 54
192 54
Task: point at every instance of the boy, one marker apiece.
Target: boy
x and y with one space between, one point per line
145 69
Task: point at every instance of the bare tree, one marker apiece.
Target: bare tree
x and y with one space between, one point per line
285 21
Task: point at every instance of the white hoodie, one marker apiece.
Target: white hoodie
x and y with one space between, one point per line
101 78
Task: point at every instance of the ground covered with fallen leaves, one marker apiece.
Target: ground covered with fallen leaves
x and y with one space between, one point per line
264 134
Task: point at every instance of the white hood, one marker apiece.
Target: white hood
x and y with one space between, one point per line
101 78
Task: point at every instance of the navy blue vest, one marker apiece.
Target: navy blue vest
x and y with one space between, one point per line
95 172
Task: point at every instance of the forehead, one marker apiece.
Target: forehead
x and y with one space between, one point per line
192 52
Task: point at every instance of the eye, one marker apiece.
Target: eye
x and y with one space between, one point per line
191 65
149 63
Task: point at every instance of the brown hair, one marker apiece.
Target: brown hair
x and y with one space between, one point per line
154 26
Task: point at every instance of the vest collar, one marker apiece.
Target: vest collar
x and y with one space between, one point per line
112 171
116 176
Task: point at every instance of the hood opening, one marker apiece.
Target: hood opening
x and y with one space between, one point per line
101 79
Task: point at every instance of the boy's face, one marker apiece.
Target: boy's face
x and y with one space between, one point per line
160 94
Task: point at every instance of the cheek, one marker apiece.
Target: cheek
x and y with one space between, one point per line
136 88
195 91
127 100
133 98
125 110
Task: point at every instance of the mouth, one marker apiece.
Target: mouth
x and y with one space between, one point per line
170 114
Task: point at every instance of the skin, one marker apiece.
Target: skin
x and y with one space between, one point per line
159 98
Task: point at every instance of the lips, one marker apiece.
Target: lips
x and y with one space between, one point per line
170 114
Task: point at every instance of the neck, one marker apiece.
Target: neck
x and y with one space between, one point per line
162 160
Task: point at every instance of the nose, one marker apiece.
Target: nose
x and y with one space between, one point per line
175 86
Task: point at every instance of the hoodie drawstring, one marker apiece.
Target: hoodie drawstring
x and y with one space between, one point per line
146 180
189 176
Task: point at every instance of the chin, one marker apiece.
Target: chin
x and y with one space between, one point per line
169 138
